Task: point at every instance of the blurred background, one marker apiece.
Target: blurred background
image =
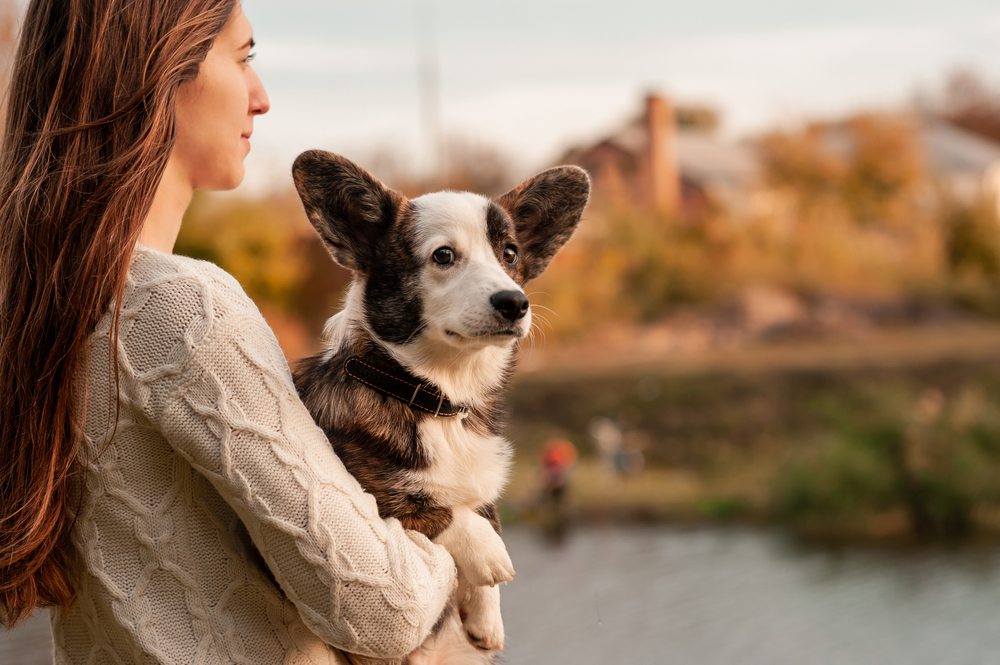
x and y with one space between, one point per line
758 421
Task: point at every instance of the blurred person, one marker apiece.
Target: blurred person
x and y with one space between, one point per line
622 455
608 438
163 488
557 460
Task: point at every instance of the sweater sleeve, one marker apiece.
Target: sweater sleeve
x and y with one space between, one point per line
224 399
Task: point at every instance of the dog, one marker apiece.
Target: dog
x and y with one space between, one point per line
409 388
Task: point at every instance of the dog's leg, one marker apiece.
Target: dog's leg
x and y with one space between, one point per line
488 511
479 608
451 647
477 549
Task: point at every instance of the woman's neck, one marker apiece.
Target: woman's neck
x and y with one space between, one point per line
163 223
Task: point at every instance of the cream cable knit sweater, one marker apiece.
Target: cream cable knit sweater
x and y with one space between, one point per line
217 525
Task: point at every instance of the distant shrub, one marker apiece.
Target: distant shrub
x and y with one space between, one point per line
972 239
968 101
723 509
633 269
870 166
936 462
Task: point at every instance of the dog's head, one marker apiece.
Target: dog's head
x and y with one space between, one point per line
446 268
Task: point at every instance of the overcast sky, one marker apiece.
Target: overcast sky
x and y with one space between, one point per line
534 76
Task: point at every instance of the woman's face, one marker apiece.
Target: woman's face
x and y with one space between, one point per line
215 111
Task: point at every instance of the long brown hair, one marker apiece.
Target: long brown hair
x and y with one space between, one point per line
89 129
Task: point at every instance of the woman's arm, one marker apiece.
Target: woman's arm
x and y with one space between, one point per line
224 399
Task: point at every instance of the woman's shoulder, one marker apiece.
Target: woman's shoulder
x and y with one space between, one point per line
152 270
171 299
180 284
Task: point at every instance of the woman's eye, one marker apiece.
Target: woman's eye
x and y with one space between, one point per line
510 255
443 256
249 58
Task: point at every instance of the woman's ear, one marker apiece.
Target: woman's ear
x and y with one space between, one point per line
349 208
546 211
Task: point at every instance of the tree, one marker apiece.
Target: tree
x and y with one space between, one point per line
968 101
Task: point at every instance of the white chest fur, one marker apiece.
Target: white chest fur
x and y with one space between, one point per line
466 468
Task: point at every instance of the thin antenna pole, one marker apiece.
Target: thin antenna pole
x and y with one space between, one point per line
429 90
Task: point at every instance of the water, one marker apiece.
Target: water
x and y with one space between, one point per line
655 595
662 595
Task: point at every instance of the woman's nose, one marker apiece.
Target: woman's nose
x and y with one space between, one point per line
259 103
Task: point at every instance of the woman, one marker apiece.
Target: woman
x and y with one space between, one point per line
162 485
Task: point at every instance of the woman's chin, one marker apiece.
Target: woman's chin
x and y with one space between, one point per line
224 182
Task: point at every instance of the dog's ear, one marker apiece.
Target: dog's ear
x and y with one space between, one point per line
349 208
546 211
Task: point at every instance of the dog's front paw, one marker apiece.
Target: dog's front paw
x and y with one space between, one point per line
489 564
478 551
481 619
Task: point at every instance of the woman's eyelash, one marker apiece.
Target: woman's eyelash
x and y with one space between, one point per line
250 57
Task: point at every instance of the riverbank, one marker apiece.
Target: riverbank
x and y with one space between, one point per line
892 436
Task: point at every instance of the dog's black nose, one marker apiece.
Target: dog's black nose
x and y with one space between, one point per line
512 305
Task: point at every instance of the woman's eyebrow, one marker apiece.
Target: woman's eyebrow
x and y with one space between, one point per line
250 44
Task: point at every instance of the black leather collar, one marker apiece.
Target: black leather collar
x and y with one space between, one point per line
402 385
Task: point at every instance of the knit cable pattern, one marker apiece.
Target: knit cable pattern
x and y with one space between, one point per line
216 525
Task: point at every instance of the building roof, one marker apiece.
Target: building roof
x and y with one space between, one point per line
701 156
951 151
705 159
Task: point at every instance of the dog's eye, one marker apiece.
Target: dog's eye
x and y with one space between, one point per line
510 255
443 255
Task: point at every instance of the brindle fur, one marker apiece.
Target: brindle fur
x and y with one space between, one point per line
377 437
